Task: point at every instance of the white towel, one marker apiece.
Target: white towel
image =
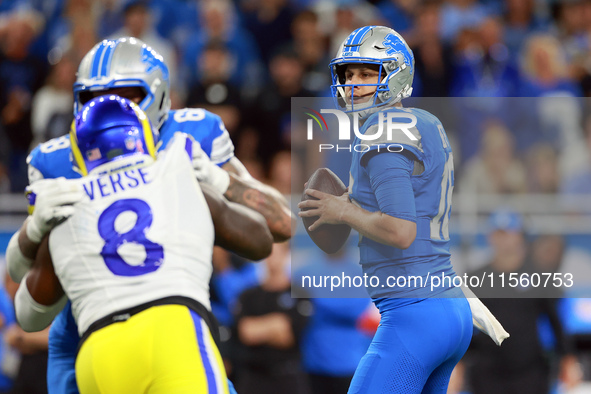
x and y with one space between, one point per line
483 319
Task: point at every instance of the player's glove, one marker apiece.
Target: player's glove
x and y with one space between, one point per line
207 172
52 200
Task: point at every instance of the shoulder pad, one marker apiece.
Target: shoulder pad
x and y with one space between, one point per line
51 159
205 127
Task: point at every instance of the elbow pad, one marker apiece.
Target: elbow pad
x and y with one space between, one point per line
17 264
31 315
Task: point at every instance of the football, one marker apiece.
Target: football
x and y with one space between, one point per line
328 237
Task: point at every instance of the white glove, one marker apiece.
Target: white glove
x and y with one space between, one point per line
53 200
207 172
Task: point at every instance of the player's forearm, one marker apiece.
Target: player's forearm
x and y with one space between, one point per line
266 201
31 315
273 329
380 227
238 228
246 233
36 341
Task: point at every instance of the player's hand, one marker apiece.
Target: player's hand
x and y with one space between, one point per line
53 203
207 172
328 208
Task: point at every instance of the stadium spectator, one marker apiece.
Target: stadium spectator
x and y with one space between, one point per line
558 110
74 28
520 20
269 115
32 347
110 17
495 169
579 181
336 321
232 275
457 15
547 251
311 47
79 39
51 109
21 75
269 324
338 19
175 19
545 69
484 66
263 16
219 23
281 172
400 14
213 89
521 360
542 169
434 65
570 25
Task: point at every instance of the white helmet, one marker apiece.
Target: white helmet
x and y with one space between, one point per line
374 45
125 62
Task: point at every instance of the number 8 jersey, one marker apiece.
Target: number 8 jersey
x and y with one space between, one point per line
139 235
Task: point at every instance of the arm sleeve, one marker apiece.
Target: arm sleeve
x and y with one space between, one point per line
16 263
389 175
31 315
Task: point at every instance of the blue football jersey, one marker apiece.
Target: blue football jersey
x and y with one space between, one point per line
205 127
53 159
422 134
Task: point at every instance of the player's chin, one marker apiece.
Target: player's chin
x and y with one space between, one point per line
359 100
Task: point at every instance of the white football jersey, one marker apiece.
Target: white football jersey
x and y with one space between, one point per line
139 235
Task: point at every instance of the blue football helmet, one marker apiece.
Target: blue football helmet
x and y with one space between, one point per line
381 46
125 62
108 129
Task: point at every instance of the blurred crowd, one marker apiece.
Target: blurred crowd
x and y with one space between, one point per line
245 59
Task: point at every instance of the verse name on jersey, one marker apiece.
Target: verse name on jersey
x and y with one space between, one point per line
107 185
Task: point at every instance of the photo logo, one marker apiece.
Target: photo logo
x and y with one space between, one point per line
391 127
310 124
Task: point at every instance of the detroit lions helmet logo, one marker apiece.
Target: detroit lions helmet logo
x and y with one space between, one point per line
153 61
394 45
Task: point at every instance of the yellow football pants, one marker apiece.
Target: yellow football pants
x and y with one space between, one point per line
164 349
